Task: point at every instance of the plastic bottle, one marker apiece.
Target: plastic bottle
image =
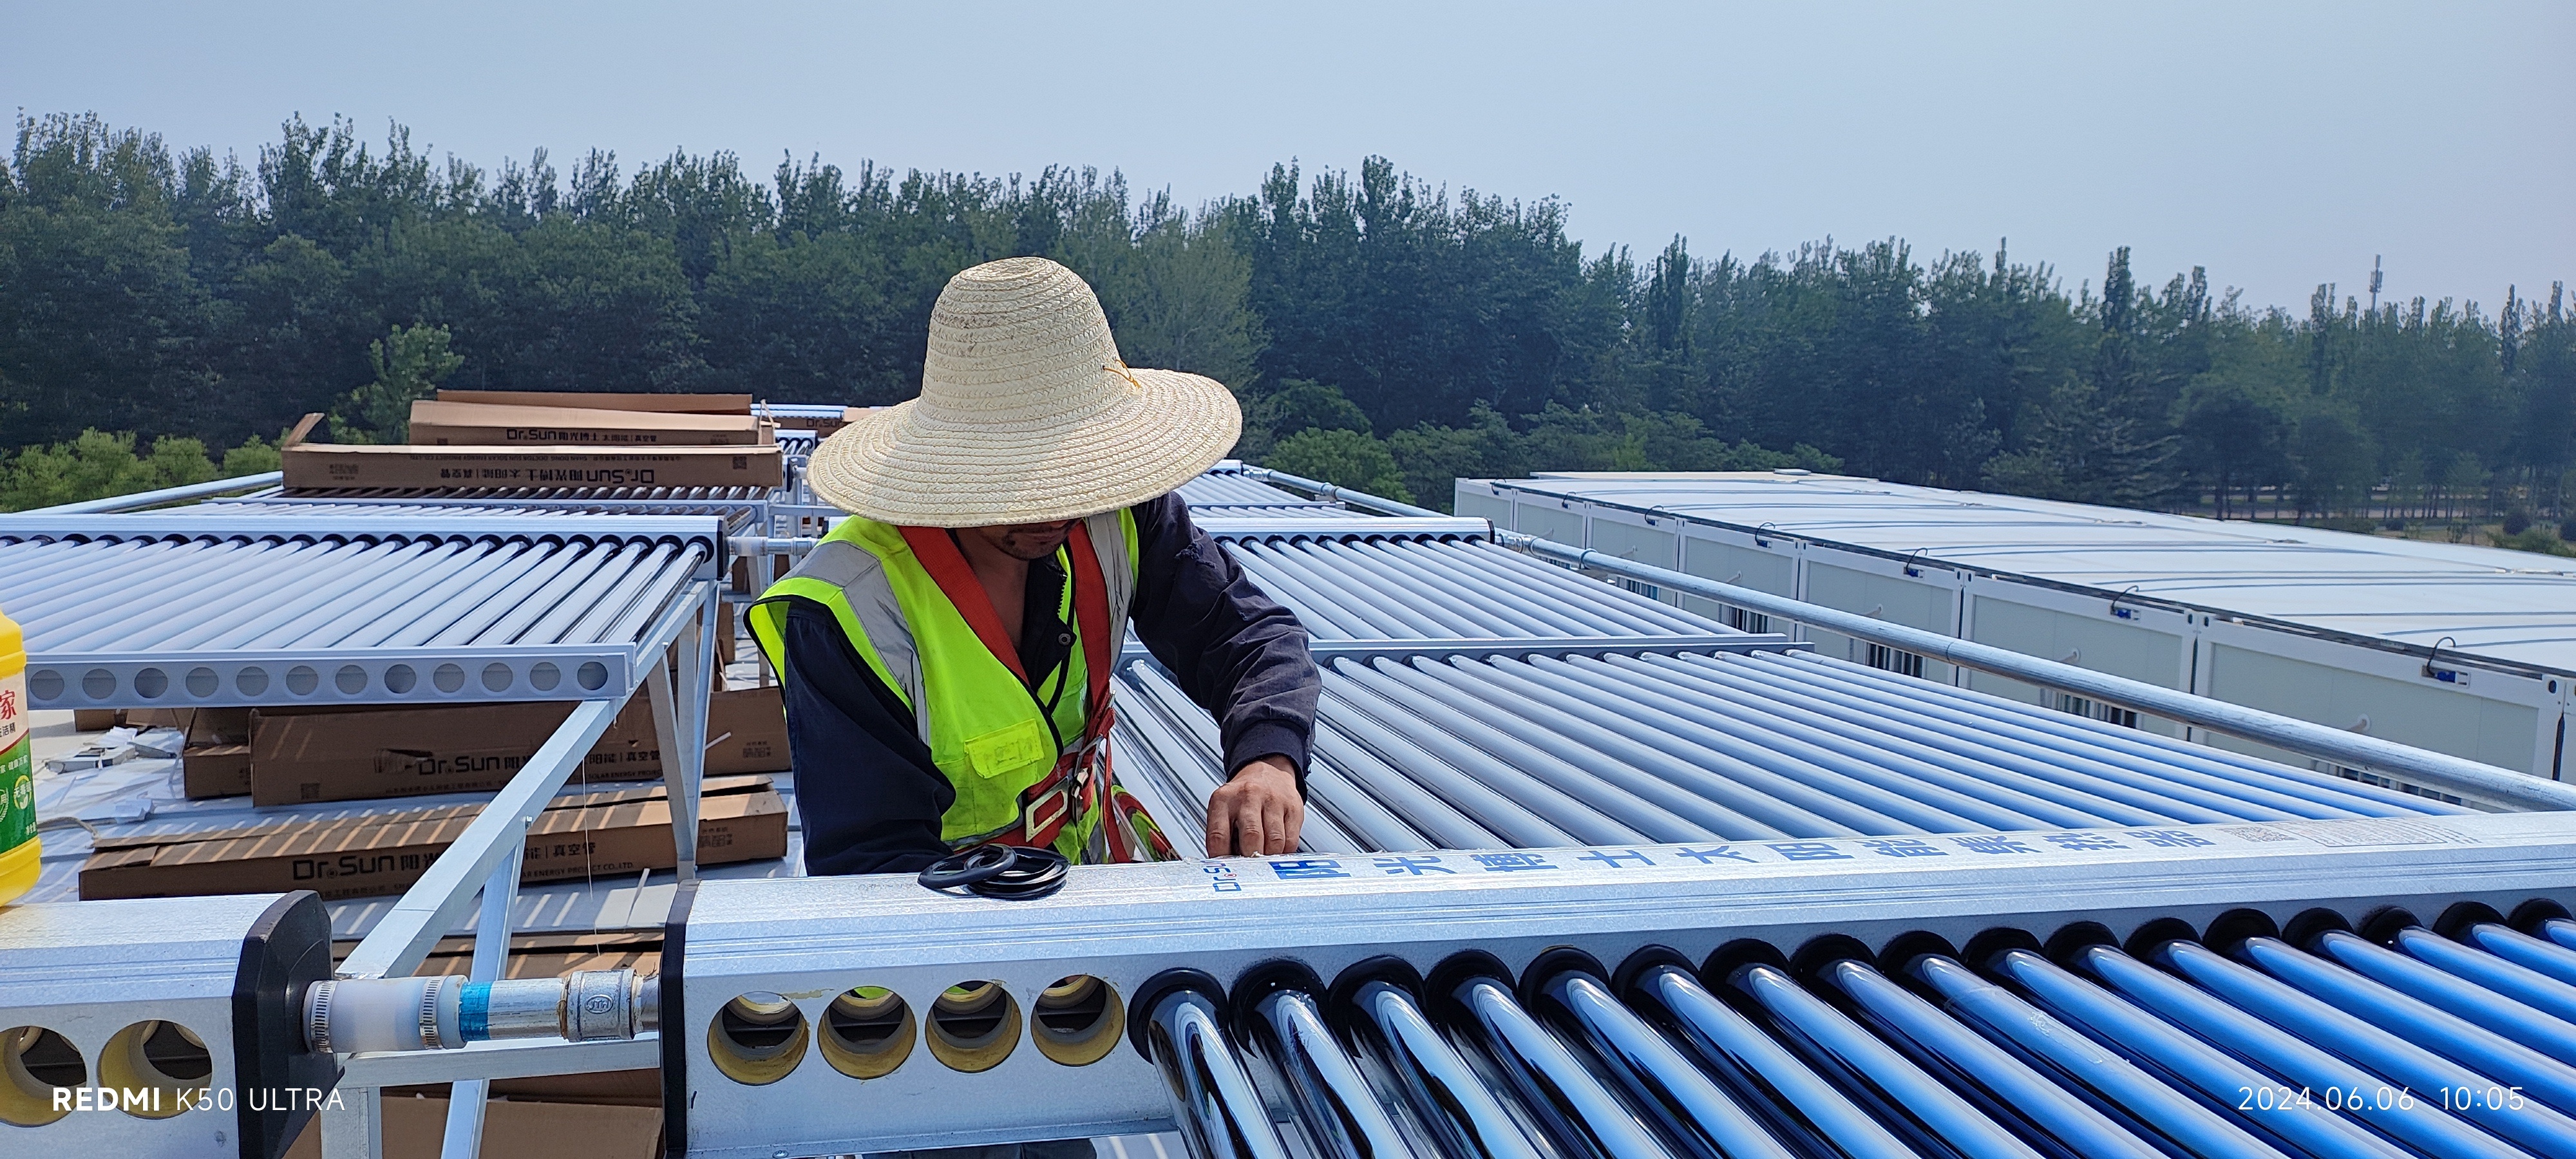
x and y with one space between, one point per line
18 844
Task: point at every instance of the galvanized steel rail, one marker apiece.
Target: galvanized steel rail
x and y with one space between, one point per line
2468 779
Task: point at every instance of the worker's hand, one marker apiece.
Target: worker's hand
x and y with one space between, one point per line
1256 812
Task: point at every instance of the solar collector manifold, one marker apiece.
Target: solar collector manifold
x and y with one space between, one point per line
2040 993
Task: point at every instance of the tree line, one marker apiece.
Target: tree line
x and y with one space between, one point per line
1381 331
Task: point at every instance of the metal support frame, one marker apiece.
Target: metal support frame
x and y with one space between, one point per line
1428 524
692 548
484 862
464 1135
2469 779
142 499
1508 647
812 939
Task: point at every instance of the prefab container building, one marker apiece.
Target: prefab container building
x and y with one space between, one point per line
2465 650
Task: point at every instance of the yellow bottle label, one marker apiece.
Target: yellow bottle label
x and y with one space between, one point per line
13 708
17 765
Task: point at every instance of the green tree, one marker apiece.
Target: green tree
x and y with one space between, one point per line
96 465
1345 458
409 362
2333 457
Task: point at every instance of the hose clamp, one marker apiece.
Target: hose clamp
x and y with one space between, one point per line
429 1013
317 1017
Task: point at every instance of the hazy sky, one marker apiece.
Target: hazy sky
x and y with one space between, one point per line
2280 145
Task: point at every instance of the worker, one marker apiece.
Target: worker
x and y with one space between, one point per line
947 651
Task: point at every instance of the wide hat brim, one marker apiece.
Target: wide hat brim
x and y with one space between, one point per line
906 465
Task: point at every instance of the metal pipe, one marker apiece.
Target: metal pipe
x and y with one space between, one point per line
142 499
1563 810
2044 729
1358 568
1873 1068
1773 742
2523 950
2154 750
1438 1086
1335 1105
2513 1019
1381 618
2366 1043
2404 1115
1441 825
2224 800
2220 1078
1604 599
1490 809
2005 1084
1764 1076
1648 806
1219 1112
1691 1106
1360 499
1573 1106
1325 618
2433 770
1738 680
2076 1063
1676 725
1710 791
2409 1020
516 557
327 624
1515 607
2519 983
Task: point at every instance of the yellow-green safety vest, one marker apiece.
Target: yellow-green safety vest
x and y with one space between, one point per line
984 731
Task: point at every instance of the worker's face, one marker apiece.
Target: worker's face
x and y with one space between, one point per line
1030 541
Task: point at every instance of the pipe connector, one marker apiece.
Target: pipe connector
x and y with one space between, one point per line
354 1015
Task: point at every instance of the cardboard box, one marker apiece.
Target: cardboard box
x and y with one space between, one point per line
306 754
214 770
824 426
414 1127
96 719
747 732
703 404
551 955
608 834
479 424
216 761
301 754
313 466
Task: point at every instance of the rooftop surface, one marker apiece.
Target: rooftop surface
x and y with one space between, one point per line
2513 606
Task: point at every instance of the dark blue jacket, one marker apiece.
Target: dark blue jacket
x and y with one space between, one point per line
870 799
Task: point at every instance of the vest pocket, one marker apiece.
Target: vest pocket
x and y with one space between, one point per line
1004 749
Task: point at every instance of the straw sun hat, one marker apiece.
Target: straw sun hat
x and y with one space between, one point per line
1026 415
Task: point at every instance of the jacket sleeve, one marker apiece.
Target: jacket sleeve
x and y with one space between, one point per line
1233 649
867 794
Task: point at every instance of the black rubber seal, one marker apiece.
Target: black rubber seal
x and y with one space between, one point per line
673 1018
2535 913
284 952
1551 962
2307 926
1006 872
1243 1004
1140 1011
1632 972
1341 1002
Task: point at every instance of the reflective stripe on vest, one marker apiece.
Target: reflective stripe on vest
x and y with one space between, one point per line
982 727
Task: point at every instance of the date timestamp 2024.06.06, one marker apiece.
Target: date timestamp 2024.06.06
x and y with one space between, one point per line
2463 1098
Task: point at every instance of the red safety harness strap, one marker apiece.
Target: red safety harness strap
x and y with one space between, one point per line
1082 779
